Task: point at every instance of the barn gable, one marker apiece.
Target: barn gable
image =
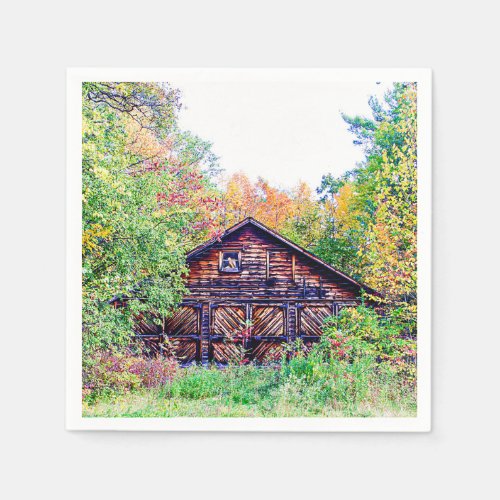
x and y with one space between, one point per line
268 265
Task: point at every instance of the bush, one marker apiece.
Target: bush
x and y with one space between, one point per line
112 371
358 356
194 383
330 376
360 332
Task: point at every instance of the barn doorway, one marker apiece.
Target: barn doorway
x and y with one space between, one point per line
243 332
247 332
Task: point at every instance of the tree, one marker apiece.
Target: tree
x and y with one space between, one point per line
147 198
370 213
392 252
343 225
274 205
294 213
243 198
239 199
303 226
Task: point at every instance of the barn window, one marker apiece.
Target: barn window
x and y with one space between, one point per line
230 262
279 265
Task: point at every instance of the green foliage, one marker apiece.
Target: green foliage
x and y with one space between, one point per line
238 384
366 334
367 130
333 380
360 389
370 214
341 253
355 343
108 373
147 198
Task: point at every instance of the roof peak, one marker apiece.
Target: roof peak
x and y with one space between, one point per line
284 240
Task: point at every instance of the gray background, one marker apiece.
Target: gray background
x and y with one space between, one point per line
458 40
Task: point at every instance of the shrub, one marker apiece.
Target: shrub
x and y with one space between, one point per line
360 332
108 371
358 356
196 383
361 361
329 373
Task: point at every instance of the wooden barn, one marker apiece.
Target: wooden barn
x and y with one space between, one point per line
251 287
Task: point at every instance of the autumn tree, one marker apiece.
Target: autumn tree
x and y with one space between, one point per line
392 235
244 198
274 205
303 226
147 197
239 199
294 213
370 213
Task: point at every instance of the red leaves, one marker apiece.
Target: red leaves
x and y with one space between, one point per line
339 346
125 371
216 233
187 188
178 198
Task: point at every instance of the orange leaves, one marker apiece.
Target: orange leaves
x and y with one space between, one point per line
272 206
239 199
144 143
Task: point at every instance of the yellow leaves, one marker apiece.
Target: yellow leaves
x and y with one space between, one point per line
102 173
344 210
274 207
392 251
171 239
119 188
85 195
143 142
90 237
240 198
115 204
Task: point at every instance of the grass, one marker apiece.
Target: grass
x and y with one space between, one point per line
302 389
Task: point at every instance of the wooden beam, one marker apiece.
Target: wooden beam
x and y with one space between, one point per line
293 267
267 265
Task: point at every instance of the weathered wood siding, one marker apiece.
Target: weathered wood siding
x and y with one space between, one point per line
312 281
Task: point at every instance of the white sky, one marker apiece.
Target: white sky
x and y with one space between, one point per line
282 131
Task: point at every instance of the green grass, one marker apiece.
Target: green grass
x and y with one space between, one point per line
300 390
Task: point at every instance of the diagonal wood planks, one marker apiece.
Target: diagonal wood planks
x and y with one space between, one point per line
268 321
255 330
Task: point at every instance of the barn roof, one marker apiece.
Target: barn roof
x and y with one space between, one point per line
285 241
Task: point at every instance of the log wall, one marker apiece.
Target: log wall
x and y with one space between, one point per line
266 272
